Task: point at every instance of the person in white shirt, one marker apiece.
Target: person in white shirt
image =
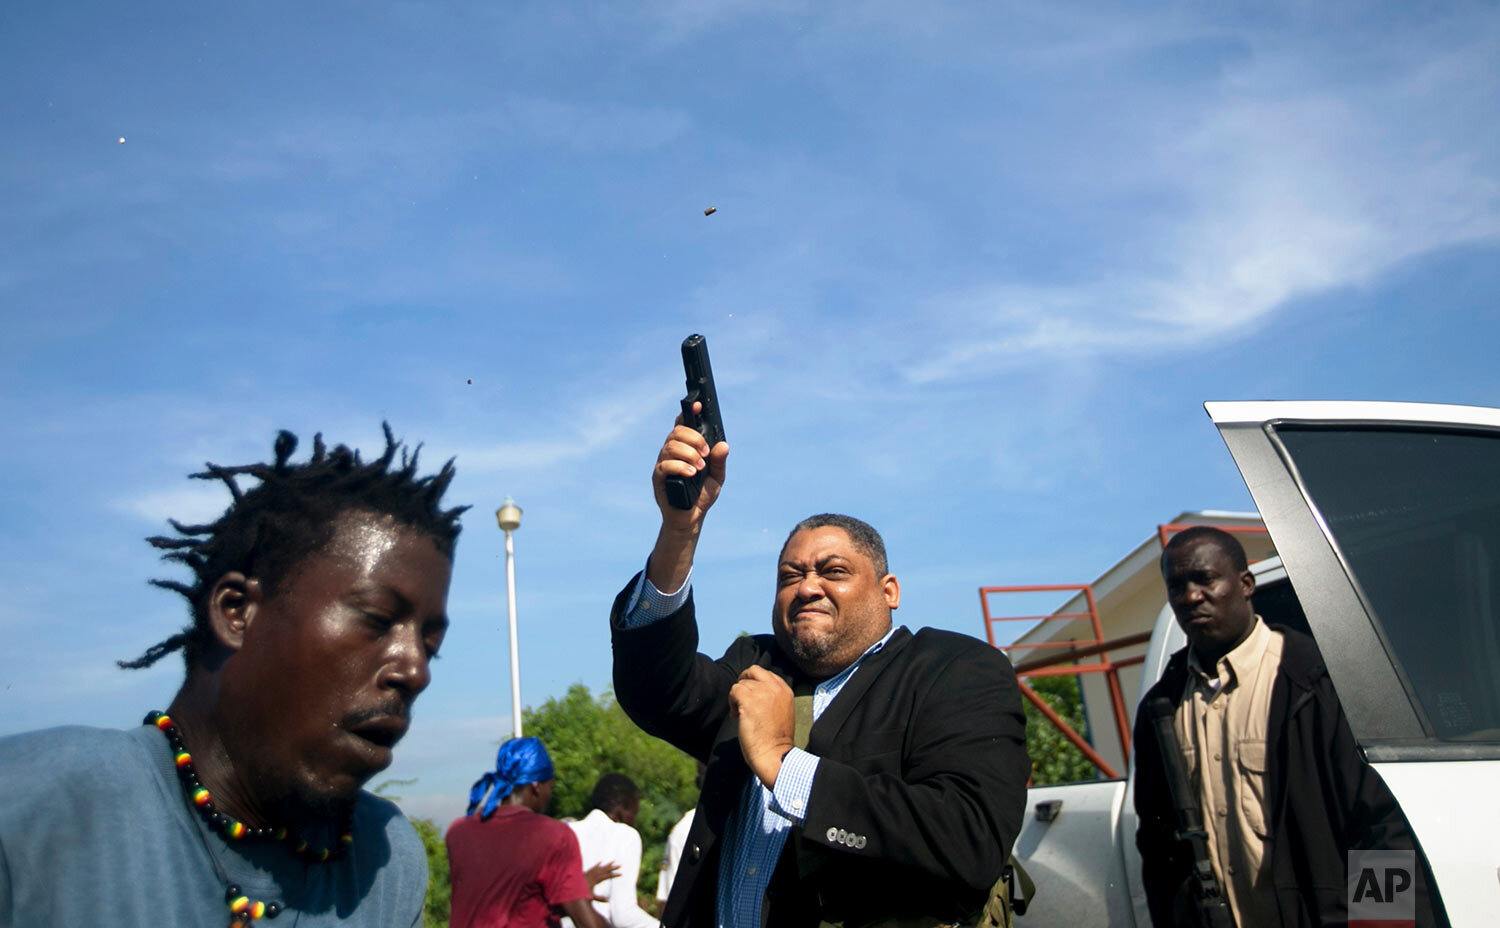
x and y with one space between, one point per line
676 844
607 834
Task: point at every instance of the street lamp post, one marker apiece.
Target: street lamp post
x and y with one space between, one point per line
509 517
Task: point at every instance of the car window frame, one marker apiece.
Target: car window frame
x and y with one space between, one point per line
1386 717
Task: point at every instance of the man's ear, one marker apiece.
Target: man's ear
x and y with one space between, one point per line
233 604
891 588
1247 583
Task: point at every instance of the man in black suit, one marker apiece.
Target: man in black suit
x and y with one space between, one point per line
903 804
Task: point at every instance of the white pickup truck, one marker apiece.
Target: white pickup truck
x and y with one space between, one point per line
1386 520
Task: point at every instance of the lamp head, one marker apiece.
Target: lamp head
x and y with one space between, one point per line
508 515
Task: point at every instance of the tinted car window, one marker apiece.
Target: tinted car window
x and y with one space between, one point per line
1415 514
1277 603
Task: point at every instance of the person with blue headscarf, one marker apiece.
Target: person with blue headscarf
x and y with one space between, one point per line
512 866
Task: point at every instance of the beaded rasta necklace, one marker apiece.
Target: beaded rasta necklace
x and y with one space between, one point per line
242 909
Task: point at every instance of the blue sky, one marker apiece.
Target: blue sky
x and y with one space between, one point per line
973 272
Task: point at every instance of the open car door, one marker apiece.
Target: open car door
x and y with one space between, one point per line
1387 519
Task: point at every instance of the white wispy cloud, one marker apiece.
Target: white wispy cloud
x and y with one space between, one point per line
1282 195
592 423
193 503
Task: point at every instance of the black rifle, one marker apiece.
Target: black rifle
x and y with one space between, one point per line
1201 895
682 492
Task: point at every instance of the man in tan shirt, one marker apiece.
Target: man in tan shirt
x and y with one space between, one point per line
1221 726
1284 791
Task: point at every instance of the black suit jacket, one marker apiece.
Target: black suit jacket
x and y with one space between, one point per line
921 782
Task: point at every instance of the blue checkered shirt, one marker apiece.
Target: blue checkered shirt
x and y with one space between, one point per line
755 837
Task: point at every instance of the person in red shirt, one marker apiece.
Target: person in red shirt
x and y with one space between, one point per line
513 867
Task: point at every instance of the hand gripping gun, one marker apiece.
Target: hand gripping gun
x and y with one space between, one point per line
682 492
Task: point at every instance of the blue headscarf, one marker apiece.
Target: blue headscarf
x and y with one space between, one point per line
519 761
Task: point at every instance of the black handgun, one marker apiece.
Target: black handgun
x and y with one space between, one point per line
1201 901
682 492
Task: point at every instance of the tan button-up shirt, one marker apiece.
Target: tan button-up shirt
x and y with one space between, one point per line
1221 726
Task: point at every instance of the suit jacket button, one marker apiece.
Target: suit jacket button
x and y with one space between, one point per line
695 852
833 835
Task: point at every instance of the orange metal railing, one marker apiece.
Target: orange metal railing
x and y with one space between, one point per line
1077 648
1072 650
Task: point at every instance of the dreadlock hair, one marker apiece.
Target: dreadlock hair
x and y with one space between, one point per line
269 529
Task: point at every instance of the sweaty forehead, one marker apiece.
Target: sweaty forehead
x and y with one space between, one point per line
364 538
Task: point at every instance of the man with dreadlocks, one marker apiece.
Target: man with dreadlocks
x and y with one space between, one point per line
317 600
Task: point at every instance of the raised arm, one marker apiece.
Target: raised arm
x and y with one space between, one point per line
661 680
683 454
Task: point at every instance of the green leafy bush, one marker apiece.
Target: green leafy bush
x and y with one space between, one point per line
1055 759
589 736
439 890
